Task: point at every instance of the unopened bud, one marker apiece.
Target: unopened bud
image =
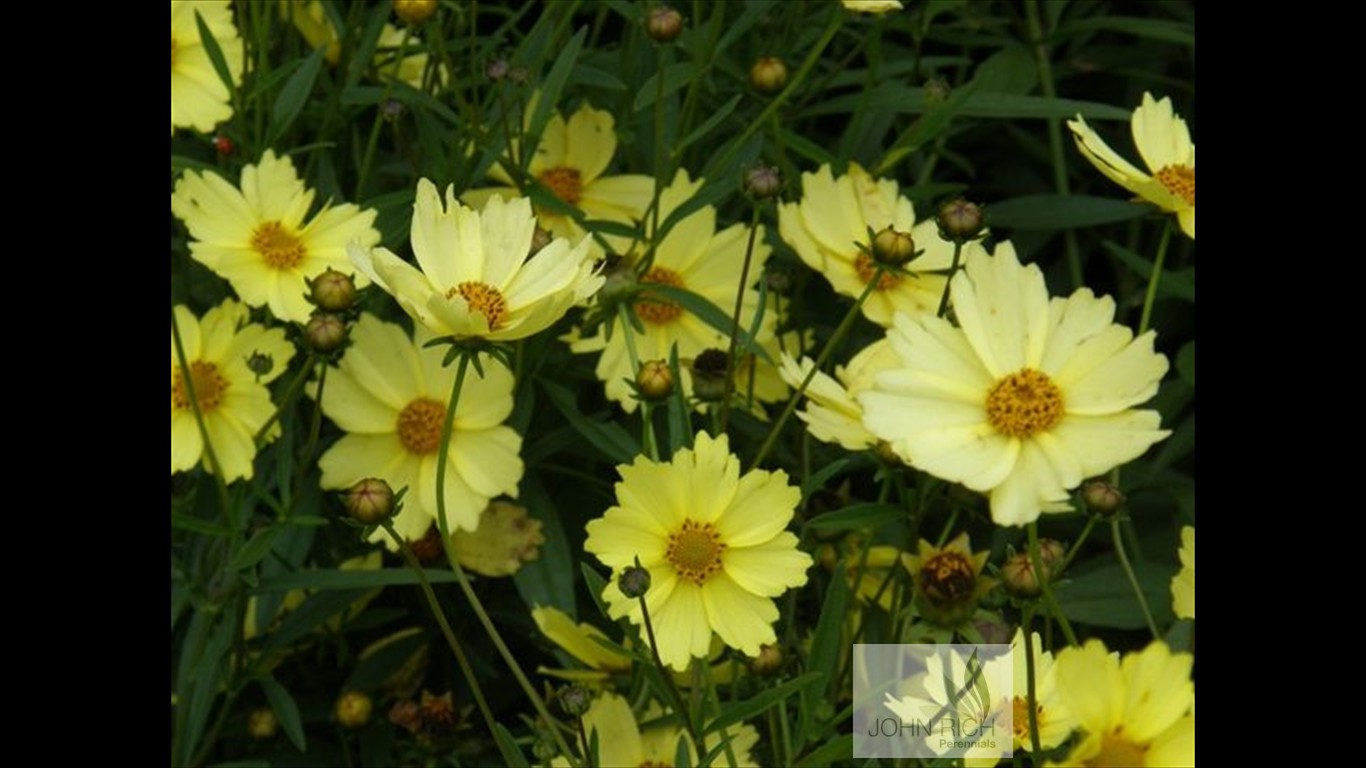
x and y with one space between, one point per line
768 75
575 700
262 724
391 110
325 332
663 24
634 581
414 12
369 501
620 281
709 372
654 380
936 91
892 248
762 182
496 69
260 363
518 75
769 660
960 220
1102 498
353 709
332 290
779 279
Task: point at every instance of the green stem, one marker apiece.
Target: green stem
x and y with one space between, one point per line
953 270
583 737
187 380
731 366
1133 578
291 392
667 674
373 143
1155 277
835 339
1031 685
1055 143
1076 546
314 431
1045 582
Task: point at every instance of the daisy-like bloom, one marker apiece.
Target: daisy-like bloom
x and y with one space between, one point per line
828 229
1024 400
714 544
948 580
833 413
1138 712
876 7
220 351
570 161
389 393
693 255
199 99
1164 142
622 742
1183 584
476 280
260 237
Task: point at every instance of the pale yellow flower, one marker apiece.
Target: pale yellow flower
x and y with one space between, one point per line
570 161
476 280
828 229
877 7
1136 712
199 99
621 741
1183 583
1026 399
1164 142
1055 722
389 393
577 640
833 413
715 545
233 399
260 237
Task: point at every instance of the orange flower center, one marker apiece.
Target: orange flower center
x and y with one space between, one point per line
419 426
1115 750
209 385
564 182
695 551
947 577
278 246
484 299
1024 404
866 268
1179 180
655 310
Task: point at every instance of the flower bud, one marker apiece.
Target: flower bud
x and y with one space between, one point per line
769 660
1102 498
654 380
936 91
325 332
369 501
779 279
391 110
663 24
575 700
223 145
260 363
762 182
619 281
414 12
332 290
960 220
893 248
496 69
768 75
262 724
353 709
634 581
709 372
1017 574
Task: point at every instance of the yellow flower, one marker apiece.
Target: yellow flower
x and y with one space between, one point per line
833 413
389 393
693 255
714 544
829 231
1026 399
569 162
258 239
199 99
234 401
577 640
621 741
476 280
1183 584
1055 722
1137 712
1165 143
877 7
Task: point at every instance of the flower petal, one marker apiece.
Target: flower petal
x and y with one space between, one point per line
742 619
1162 138
681 626
488 460
769 568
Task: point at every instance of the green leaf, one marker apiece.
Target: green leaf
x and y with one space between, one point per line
1152 29
196 525
256 548
675 76
679 417
308 616
549 579
608 437
553 85
1175 283
324 579
286 711
705 127
1185 363
760 702
508 746
825 641
215 52
710 314
1103 597
839 748
595 584
857 517
365 47
897 98
818 479
1061 212
296 91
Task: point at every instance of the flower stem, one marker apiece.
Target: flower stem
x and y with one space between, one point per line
1036 562
443 526
679 705
373 143
291 392
1031 684
953 270
731 367
215 468
835 339
440 615
716 705
1156 276
1055 146
1133 578
1076 546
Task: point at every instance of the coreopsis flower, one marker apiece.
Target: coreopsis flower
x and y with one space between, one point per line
833 413
576 639
621 740
570 161
1164 142
199 98
876 7
829 228
692 255
1026 398
948 580
476 280
389 392
714 544
260 238
1139 711
1183 583
232 398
